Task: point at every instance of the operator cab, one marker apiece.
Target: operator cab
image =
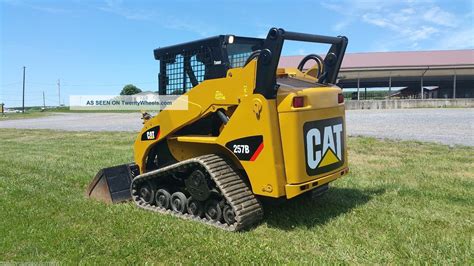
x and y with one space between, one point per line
184 66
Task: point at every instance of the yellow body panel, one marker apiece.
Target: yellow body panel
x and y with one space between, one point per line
197 139
314 98
293 152
206 97
295 190
277 169
266 172
181 149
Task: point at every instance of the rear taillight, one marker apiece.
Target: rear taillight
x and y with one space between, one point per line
340 98
298 102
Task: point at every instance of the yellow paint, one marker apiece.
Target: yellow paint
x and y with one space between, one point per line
295 190
279 169
293 147
268 169
329 158
220 96
197 139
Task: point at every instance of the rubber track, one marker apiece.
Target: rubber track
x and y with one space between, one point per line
247 208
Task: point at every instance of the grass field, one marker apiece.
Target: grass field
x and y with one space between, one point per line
27 114
35 112
403 202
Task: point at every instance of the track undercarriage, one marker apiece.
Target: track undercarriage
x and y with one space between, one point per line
206 189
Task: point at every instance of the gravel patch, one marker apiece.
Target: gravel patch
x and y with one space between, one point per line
446 126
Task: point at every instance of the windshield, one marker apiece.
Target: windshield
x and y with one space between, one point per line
240 50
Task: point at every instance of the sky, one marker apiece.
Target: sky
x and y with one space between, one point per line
96 47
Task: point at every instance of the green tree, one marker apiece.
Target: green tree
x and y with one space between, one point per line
130 89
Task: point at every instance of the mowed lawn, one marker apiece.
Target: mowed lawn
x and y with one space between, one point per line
403 202
27 114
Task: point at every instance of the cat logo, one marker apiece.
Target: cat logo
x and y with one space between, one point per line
151 134
324 145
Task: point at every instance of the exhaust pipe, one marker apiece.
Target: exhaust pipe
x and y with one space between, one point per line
112 185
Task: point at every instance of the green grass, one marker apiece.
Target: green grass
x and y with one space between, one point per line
67 109
403 202
35 112
27 114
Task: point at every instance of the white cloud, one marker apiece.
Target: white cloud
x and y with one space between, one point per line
440 17
338 27
165 20
36 6
406 24
422 33
302 52
457 40
379 21
116 7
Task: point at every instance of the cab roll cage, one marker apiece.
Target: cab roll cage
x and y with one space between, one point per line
213 53
269 57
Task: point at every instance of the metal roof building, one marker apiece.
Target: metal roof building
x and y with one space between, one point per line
450 73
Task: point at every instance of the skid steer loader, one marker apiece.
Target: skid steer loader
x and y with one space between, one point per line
251 130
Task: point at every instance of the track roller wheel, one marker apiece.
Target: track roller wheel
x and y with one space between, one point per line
229 215
147 192
178 202
213 210
163 198
194 207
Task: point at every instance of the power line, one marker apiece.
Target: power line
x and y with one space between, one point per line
41 86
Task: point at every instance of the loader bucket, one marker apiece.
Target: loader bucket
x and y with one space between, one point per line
112 184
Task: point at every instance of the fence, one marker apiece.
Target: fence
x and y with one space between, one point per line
409 103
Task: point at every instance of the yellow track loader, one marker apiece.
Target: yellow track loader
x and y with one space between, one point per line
250 131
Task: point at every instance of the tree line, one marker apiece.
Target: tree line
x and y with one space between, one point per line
130 89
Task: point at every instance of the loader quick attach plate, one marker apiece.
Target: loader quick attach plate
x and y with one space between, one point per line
112 184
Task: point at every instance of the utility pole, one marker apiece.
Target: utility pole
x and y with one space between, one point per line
390 86
454 86
358 87
44 102
421 85
23 105
59 92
